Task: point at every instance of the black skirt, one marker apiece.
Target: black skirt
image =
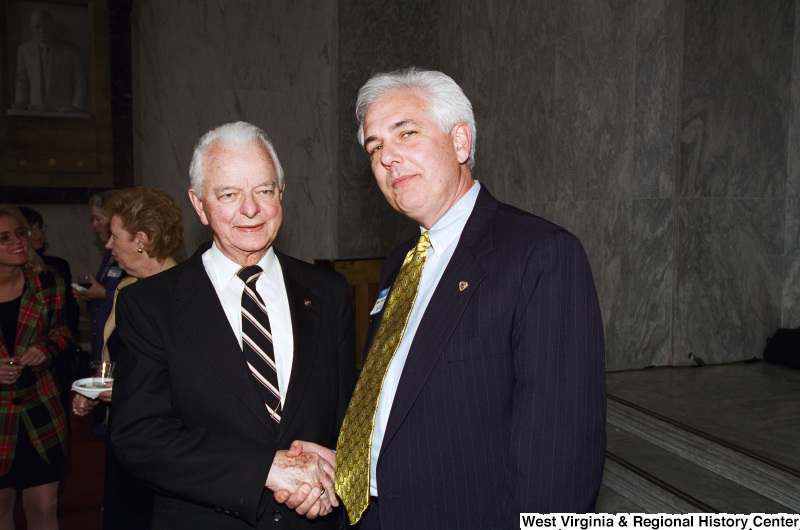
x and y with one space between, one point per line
28 468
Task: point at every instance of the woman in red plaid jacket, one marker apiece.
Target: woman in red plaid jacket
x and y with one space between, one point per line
33 428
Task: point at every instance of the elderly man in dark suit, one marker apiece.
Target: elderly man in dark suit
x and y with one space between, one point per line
483 391
209 394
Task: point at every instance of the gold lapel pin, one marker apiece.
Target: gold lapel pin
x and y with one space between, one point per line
462 285
307 303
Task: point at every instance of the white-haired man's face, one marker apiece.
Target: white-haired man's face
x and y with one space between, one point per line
421 170
241 201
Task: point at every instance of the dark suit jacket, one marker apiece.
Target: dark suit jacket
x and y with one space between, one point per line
187 416
500 408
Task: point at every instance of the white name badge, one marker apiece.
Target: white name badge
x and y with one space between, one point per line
114 272
381 300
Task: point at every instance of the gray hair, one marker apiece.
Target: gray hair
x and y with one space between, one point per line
99 199
237 133
447 103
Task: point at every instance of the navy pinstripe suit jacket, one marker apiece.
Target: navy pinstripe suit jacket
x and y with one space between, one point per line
500 408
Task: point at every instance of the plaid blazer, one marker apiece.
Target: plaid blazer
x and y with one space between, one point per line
32 402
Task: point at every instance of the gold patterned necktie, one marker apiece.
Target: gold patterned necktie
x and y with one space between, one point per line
354 445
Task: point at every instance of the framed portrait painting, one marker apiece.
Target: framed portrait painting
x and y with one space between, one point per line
57 123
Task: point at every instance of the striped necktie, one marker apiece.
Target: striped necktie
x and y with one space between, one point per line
353 448
257 342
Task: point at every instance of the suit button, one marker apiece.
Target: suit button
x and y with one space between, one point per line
16 401
276 516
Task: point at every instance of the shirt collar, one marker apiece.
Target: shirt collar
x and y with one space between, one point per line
449 227
225 269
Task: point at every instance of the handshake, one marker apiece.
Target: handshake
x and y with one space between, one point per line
302 478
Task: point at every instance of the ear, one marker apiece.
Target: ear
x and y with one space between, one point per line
462 141
198 206
141 239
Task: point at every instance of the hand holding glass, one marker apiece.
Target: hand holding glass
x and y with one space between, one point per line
102 373
102 377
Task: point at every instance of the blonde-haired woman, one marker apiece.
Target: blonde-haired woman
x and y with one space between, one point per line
33 427
146 231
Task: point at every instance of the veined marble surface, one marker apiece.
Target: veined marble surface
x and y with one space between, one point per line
728 278
663 133
657 131
272 64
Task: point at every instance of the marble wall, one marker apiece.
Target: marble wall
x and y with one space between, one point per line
375 37
664 133
200 64
658 132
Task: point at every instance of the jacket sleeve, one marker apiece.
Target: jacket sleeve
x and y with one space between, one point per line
57 337
154 441
558 412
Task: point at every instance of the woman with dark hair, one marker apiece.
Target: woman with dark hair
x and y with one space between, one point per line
33 427
146 231
39 243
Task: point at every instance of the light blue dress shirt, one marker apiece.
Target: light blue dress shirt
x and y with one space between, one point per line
444 237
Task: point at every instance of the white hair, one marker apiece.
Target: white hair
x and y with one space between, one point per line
238 133
447 103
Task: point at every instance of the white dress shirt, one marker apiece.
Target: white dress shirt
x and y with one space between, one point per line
270 286
444 236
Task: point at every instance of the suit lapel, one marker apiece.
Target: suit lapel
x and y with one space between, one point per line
305 308
444 309
200 315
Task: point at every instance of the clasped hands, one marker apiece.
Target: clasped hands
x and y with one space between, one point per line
302 478
11 367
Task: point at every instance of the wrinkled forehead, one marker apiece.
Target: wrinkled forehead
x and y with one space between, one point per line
238 165
221 152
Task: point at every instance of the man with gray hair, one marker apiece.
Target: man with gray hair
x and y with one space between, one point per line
483 390
229 357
